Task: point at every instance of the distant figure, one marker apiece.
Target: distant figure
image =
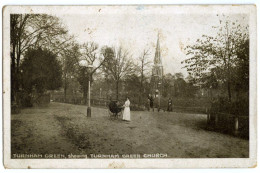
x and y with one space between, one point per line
151 102
157 103
148 103
126 113
169 108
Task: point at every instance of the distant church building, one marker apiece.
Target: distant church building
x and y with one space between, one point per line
157 71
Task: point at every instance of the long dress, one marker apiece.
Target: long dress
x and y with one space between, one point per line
126 113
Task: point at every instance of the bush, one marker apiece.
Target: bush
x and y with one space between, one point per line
15 109
134 107
237 107
24 99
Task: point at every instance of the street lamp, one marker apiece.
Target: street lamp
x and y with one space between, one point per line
89 70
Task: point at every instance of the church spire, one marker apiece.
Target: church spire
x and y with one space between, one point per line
157 57
157 71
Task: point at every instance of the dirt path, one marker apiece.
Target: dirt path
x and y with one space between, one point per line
64 128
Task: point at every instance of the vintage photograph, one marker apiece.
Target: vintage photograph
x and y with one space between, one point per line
130 82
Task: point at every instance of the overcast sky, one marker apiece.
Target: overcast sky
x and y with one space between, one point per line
136 28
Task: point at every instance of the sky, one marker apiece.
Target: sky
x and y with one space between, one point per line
136 29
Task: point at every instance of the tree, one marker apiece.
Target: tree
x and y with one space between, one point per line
83 78
40 71
217 55
30 31
131 85
179 85
71 57
241 79
118 65
191 88
142 67
176 86
90 54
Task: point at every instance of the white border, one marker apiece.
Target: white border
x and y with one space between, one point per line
130 163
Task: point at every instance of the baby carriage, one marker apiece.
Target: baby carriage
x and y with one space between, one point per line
114 109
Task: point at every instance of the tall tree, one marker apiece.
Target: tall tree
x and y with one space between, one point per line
143 65
32 31
70 58
118 65
40 71
90 54
217 53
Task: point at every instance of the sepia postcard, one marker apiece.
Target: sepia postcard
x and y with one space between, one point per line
129 86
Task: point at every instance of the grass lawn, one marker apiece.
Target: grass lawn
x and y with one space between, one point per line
64 129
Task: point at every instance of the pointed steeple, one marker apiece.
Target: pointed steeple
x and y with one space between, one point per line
157 57
157 71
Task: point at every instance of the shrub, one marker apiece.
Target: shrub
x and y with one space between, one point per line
237 107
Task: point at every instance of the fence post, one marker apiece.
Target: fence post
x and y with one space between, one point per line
208 116
236 125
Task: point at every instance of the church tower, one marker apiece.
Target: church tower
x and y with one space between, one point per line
157 70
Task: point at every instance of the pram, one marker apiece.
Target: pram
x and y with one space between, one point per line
114 110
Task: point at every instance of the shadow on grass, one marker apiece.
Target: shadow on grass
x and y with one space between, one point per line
71 132
18 139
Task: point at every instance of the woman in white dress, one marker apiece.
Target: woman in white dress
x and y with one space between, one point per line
126 113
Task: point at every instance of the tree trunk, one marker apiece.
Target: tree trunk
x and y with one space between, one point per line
65 89
229 80
13 76
141 89
229 91
17 74
117 89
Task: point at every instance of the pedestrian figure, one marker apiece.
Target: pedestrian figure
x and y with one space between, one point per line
156 103
169 108
148 104
126 113
151 103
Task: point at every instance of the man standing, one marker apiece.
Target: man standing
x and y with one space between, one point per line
169 109
151 101
148 103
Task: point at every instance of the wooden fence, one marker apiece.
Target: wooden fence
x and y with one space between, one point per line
236 125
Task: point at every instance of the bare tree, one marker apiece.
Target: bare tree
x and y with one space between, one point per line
118 65
90 53
143 65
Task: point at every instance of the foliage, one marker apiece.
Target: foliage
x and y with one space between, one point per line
30 31
176 86
70 59
83 79
41 71
221 60
238 107
118 65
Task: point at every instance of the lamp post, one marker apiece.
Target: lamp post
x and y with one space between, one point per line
89 70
